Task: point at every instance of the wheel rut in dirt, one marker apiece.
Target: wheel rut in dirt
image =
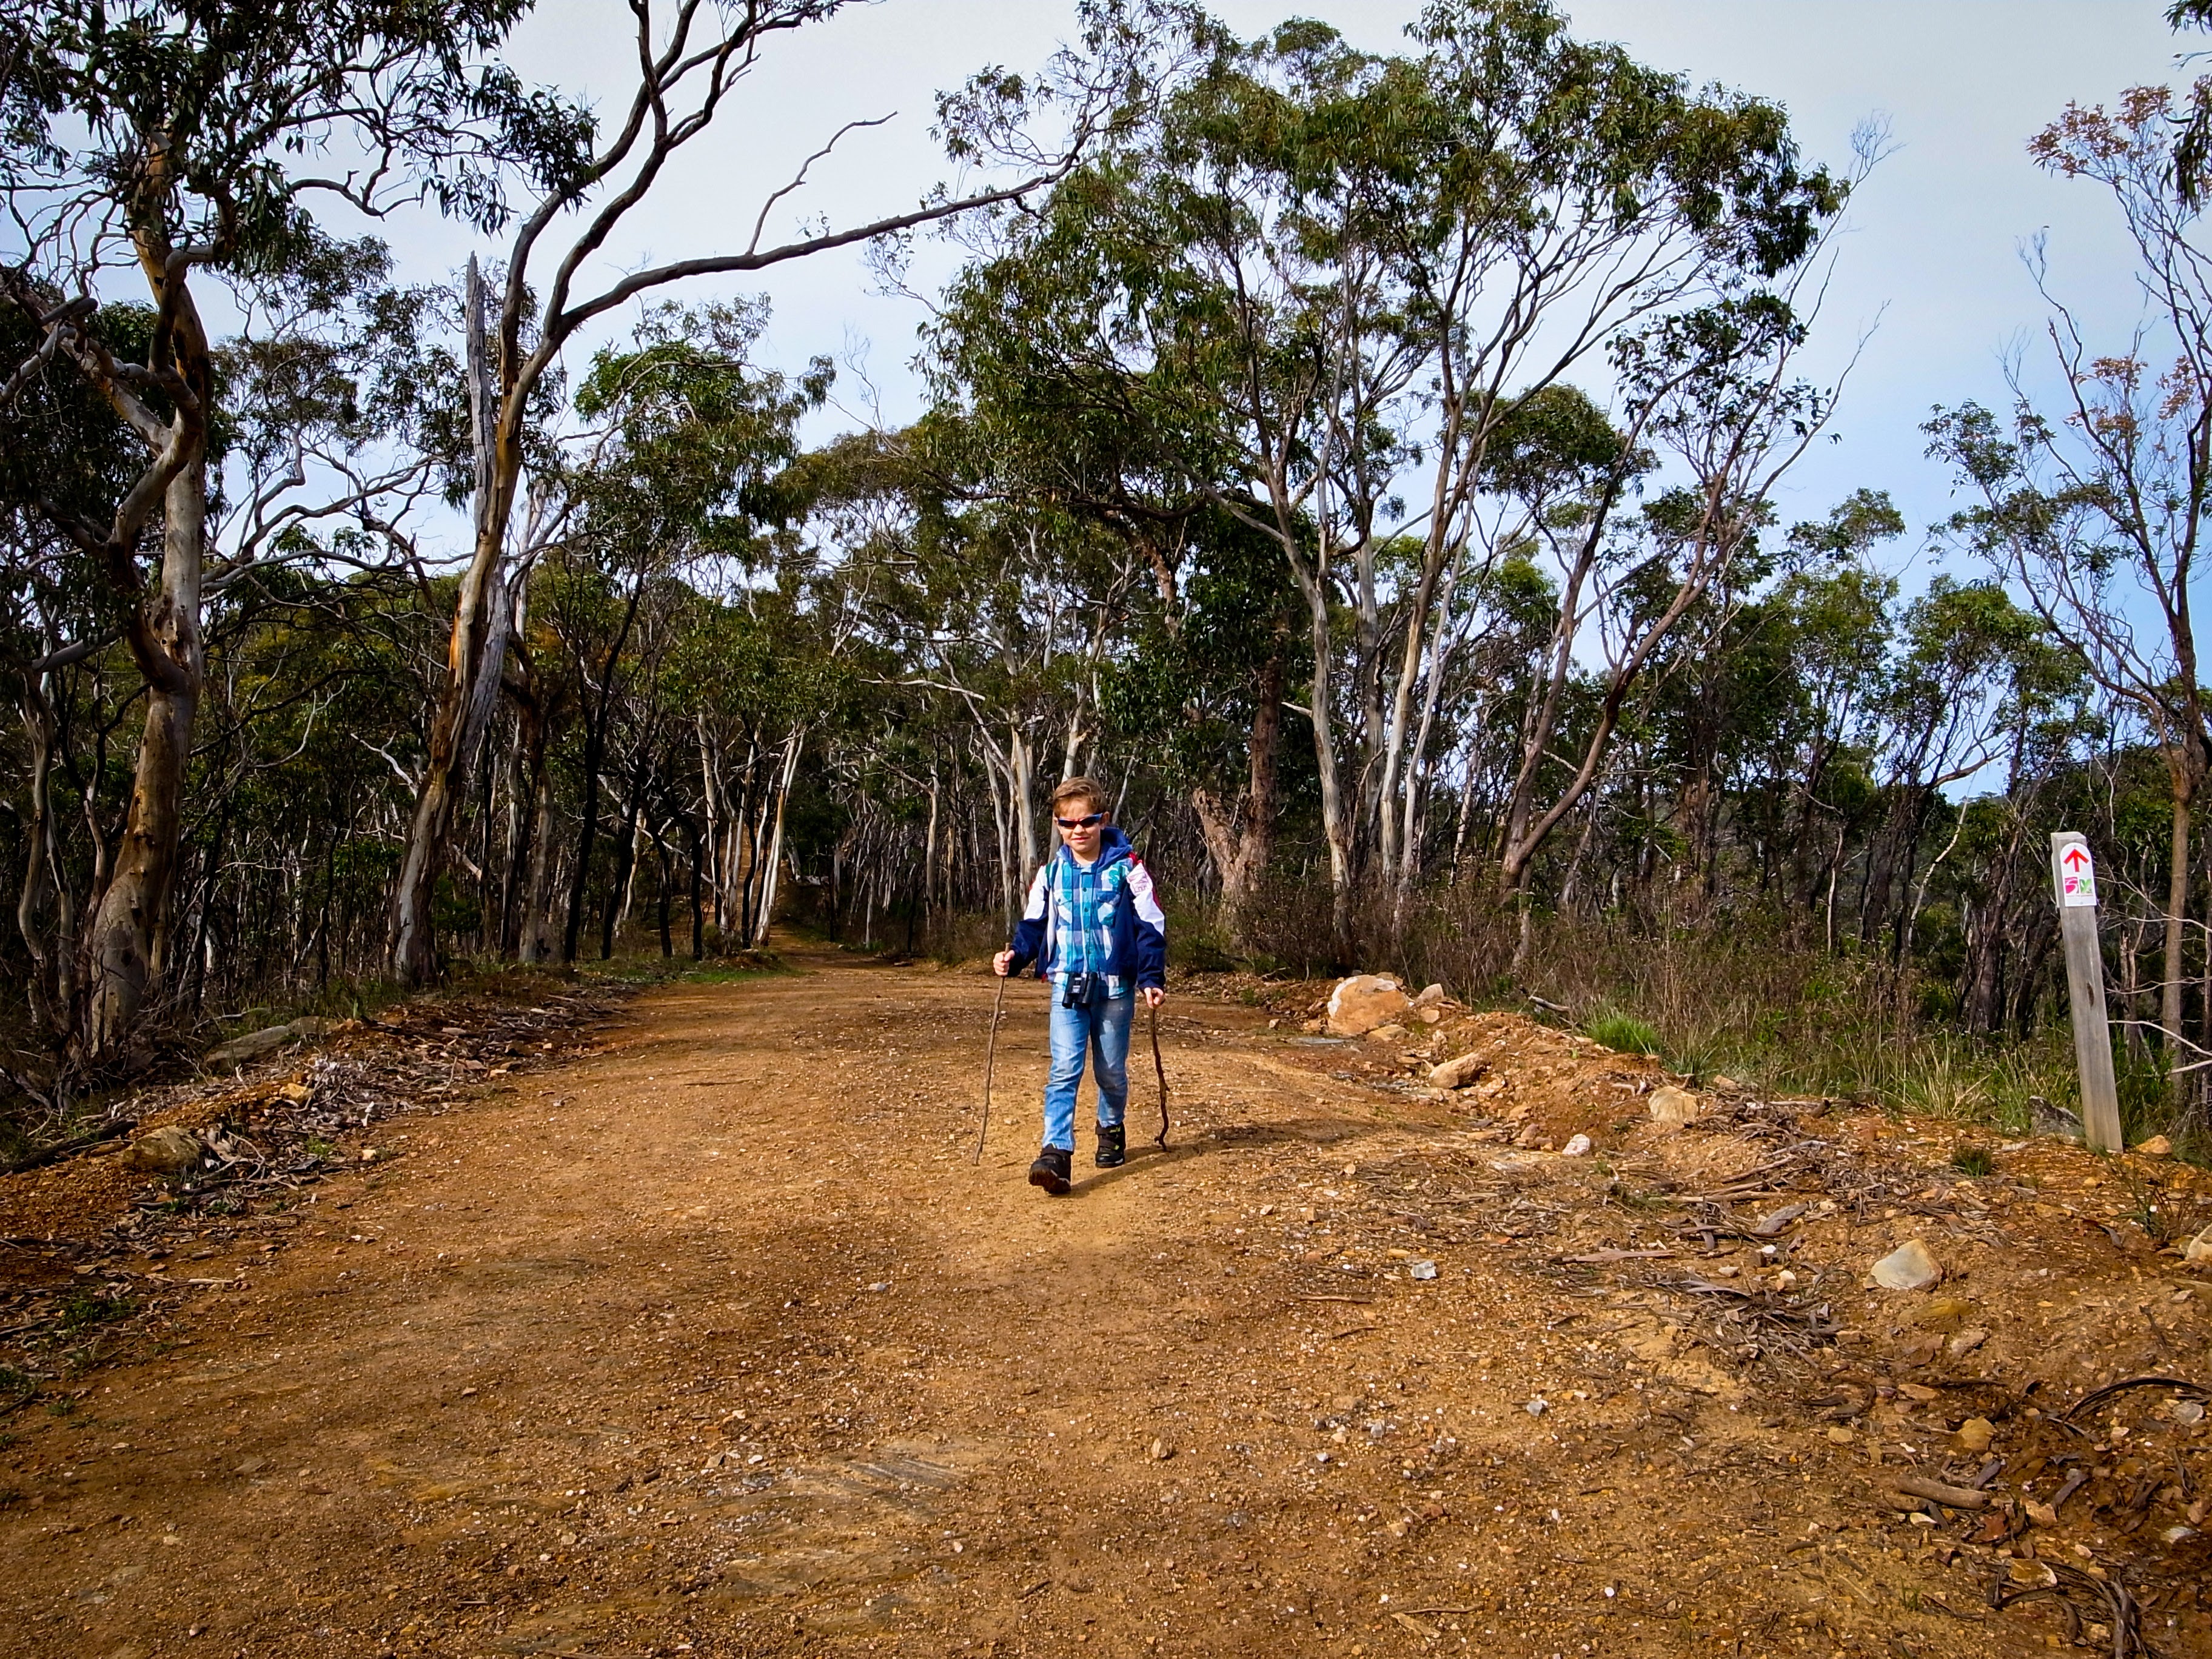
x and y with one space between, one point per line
715 1341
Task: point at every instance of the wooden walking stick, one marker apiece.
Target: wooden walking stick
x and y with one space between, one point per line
1152 1012
990 1064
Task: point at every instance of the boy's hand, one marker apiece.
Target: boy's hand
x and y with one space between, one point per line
1154 996
1002 963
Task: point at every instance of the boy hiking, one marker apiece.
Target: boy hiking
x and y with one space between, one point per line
1094 929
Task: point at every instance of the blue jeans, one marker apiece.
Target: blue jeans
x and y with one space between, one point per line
1102 1026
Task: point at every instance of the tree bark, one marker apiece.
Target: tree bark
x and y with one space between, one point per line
2185 779
473 654
618 909
536 943
50 978
119 956
764 916
698 905
118 959
1985 940
595 750
1336 823
1240 834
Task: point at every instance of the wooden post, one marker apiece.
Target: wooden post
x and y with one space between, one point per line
2074 880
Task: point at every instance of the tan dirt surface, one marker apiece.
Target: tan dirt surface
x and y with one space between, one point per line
713 1342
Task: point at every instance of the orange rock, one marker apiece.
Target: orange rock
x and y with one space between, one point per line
1364 1001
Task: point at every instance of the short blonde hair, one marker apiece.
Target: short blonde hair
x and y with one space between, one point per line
1078 788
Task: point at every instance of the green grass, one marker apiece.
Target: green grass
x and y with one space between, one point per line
732 973
81 1311
1974 1161
2148 1209
1623 1033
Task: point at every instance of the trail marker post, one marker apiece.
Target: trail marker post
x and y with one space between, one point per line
2074 879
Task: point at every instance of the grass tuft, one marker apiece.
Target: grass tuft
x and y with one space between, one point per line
79 1311
1974 1161
1623 1033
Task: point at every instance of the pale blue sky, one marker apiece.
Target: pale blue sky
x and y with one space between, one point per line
1934 251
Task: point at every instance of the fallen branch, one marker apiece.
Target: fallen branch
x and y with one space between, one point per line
2108 1601
1941 1606
62 1148
2180 1384
1937 1492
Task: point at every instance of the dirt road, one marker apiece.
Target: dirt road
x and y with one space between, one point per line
715 1343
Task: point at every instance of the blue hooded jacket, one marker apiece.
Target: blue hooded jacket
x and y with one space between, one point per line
1136 929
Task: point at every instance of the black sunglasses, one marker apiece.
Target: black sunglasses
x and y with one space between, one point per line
1089 822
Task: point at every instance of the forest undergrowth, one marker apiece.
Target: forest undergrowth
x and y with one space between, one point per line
1721 995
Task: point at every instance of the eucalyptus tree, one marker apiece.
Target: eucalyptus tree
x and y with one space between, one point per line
1774 667
1972 670
1712 390
1564 194
1323 272
1219 342
2192 146
690 58
1198 689
2095 503
1008 611
690 470
69 454
169 139
1835 615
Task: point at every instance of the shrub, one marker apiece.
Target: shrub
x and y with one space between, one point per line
1733 989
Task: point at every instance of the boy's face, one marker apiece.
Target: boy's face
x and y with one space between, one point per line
1082 825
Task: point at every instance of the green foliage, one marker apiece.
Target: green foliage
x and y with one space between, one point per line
2153 1209
1200 949
736 973
235 96
87 1308
707 438
1623 1033
1189 686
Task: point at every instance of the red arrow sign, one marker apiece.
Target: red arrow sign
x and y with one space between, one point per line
2074 857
